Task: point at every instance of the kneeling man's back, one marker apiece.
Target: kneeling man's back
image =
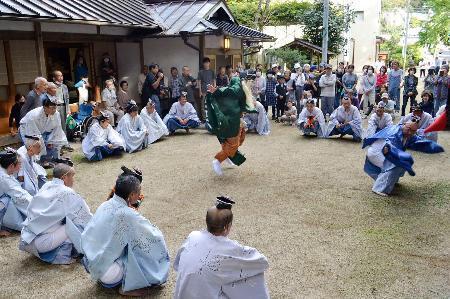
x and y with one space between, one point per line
210 265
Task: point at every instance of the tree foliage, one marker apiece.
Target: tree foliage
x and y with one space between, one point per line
437 29
339 21
289 56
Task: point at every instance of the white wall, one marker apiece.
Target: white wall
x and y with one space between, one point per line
217 42
168 52
68 28
129 65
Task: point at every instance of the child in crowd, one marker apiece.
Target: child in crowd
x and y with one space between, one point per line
427 102
281 94
290 114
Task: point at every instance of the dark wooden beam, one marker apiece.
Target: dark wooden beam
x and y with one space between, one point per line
40 55
9 70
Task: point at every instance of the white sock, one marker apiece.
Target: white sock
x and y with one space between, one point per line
216 167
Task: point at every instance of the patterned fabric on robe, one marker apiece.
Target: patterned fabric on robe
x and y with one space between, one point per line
55 204
258 121
425 120
36 122
387 169
186 111
318 115
134 132
213 267
377 123
340 116
97 136
34 175
15 199
118 232
155 125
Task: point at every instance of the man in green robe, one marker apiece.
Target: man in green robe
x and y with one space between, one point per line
225 107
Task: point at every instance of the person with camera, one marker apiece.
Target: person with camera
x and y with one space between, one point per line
152 87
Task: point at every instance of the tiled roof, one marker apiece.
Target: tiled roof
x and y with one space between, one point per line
240 31
110 12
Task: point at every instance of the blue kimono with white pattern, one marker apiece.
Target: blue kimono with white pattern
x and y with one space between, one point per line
271 99
119 233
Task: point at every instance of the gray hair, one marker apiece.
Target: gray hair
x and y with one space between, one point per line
30 142
61 170
306 65
39 81
51 85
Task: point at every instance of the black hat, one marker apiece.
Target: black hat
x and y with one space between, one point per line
131 106
32 137
224 202
310 101
280 77
8 157
135 172
49 101
103 116
417 107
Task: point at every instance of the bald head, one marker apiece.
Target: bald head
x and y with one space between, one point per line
218 221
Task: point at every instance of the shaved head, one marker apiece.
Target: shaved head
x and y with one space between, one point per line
218 221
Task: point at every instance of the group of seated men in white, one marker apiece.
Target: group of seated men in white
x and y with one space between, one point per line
117 245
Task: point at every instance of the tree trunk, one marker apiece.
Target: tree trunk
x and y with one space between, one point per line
258 15
265 15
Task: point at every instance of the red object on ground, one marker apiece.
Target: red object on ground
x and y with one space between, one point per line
439 124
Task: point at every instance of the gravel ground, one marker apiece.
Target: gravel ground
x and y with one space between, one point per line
305 203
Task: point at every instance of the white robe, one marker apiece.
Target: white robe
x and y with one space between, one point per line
54 204
353 117
425 121
318 115
30 171
213 267
15 199
155 125
258 121
377 123
97 136
133 131
36 122
186 111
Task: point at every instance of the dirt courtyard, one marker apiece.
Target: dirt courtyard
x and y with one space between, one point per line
304 203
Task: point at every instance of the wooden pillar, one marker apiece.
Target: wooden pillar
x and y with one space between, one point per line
9 70
201 53
141 52
40 55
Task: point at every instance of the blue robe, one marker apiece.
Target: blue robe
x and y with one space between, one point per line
119 233
387 169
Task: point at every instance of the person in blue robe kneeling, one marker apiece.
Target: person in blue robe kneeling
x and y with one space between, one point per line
121 247
387 159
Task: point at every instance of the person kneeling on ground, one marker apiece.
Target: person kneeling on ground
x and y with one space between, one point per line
182 115
311 120
389 105
102 140
122 247
259 122
425 120
387 159
133 129
56 218
290 114
210 265
31 175
346 120
156 127
378 120
14 200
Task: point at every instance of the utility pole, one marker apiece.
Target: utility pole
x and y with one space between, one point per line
405 41
326 12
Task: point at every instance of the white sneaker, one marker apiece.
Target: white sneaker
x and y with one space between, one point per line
217 167
230 162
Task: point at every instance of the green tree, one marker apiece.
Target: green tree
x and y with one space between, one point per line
288 56
437 29
339 21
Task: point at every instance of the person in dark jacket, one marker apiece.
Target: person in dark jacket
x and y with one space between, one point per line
14 116
281 94
427 102
409 89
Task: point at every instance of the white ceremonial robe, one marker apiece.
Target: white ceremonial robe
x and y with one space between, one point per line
258 121
155 125
34 175
97 136
36 122
186 111
119 236
353 117
425 120
134 132
15 199
318 115
55 205
213 267
377 123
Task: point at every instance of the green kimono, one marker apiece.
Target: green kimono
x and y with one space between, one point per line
225 107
